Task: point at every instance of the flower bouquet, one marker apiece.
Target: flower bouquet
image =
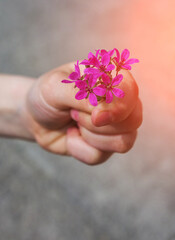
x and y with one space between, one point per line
101 78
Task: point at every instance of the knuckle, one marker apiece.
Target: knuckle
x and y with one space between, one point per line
96 159
133 85
137 121
135 89
41 141
54 144
139 116
126 143
120 113
82 119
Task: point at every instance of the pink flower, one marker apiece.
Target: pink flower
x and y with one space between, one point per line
103 51
101 66
97 78
87 90
74 76
108 87
123 61
92 60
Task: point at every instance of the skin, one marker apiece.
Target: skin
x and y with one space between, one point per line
46 111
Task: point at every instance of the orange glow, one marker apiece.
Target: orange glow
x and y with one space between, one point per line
152 36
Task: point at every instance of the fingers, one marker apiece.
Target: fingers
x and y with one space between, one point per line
81 150
50 100
120 143
51 140
68 141
129 124
62 96
120 108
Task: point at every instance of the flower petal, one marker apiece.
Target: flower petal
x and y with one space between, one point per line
117 58
77 69
131 61
109 97
67 81
81 84
97 52
92 80
73 76
100 90
125 55
117 79
128 67
110 67
102 52
94 61
111 52
91 71
81 95
93 99
106 79
85 62
96 76
118 92
90 55
105 59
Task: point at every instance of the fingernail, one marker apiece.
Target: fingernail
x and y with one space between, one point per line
74 115
103 118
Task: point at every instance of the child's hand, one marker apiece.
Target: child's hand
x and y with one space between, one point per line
63 125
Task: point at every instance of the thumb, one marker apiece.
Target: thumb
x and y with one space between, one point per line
120 108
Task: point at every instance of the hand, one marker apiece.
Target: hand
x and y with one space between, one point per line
63 125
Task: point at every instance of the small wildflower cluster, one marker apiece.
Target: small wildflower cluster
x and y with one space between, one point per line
101 76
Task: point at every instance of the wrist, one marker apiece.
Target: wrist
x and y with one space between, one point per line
13 113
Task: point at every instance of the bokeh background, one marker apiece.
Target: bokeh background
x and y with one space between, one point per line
131 196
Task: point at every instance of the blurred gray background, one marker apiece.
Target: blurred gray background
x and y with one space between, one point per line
48 197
